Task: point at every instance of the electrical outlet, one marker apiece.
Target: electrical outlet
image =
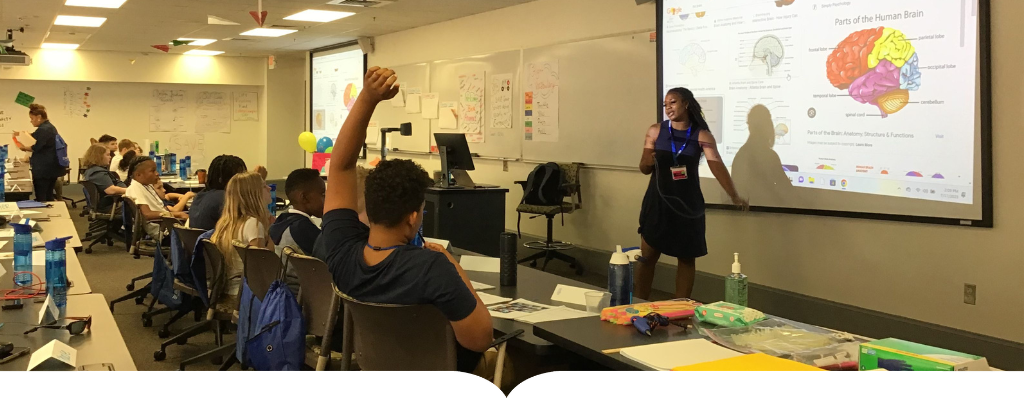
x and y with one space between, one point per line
970 294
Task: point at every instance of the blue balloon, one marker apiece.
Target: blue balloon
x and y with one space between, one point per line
323 144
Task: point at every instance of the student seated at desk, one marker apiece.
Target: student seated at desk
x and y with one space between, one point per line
377 264
141 191
207 205
175 202
110 142
296 227
246 219
123 147
96 160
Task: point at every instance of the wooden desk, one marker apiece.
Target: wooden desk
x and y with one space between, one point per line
472 219
103 344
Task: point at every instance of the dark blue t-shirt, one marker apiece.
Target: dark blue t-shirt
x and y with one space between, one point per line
205 210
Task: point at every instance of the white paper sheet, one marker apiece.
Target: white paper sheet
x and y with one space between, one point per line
490 299
665 356
412 104
571 294
428 105
399 99
500 96
481 286
541 105
372 132
246 107
471 103
213 113
449 118
555 313
167 111
516 309
480 264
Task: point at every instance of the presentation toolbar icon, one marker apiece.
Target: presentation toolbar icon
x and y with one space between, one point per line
832 182
801 179
844 182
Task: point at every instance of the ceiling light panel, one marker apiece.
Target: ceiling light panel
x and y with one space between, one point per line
203 52
60 46
105 4
79 21
319 16
198 42
264 32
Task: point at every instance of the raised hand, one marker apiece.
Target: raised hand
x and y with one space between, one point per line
379 84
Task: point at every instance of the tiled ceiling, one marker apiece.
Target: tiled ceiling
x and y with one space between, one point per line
139 24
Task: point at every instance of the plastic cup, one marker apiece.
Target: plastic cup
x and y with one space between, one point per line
597 301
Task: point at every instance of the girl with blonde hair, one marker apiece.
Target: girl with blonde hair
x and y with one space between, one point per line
245 218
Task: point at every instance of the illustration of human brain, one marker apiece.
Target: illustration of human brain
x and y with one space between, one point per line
878 66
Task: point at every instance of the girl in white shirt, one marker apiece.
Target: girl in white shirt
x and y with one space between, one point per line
245 218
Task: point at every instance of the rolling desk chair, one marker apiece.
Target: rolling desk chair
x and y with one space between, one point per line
104 226
549 248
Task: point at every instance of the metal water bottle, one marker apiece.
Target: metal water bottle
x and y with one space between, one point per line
620 278
509 262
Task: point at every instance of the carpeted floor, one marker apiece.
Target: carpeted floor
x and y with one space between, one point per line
110 268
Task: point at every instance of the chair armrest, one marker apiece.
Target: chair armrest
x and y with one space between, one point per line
520 183
505 338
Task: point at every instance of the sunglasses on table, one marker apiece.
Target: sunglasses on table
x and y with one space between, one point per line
76 327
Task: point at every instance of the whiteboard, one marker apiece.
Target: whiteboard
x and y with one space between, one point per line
498 142
607 100
386 115
123 110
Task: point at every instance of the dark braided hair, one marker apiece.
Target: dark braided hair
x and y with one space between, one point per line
135 162
222 169
693 110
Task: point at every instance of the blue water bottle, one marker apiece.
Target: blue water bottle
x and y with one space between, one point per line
188 166
272 206
3 175
620 278
22 254
174 163
182 170
56 272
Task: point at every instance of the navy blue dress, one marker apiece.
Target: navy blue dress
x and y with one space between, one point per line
672 214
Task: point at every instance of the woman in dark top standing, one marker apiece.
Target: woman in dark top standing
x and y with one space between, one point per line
672 214
45 167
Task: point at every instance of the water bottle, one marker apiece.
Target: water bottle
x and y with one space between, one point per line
3 182
509 263
272 206
152 154
174 163
620 278
22 254
188 166
159 164
736 284
56 272
156 146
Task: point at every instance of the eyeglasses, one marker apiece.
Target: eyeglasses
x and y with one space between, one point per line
77 327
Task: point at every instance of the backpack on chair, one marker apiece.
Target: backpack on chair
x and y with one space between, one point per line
279 342
544 185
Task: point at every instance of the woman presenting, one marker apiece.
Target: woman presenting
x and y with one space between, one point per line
45 167
672 214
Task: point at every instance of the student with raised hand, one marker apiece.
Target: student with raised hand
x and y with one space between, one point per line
245 218
96 161
141 191
377 264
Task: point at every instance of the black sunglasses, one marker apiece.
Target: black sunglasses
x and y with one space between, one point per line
79 326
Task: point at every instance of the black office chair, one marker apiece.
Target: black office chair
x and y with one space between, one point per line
551 249
104 226
424 342
66 181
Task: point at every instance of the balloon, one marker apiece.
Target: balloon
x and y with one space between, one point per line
329 149
307 141
323 144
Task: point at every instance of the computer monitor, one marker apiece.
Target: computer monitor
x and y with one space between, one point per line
455 155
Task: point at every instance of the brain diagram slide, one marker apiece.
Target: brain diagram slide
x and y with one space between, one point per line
878 66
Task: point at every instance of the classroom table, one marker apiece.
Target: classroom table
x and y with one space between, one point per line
51 229
57 210
79 285
103 344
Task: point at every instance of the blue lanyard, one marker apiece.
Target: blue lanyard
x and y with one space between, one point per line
416 241
672 140
377 248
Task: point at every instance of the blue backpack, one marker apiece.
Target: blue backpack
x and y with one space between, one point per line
62 152
279 343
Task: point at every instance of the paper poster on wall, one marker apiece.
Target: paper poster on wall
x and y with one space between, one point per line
412 104
471 107
500 96
76 101
448 115
167 111
399 99
372 132
541 101
428 105
186 144
213 113
246 107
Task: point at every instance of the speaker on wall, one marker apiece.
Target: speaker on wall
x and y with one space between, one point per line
366 44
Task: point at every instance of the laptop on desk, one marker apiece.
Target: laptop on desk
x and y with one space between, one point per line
462 179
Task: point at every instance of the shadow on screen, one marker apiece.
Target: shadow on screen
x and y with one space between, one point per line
757 170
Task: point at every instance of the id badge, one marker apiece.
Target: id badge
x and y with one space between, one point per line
679 173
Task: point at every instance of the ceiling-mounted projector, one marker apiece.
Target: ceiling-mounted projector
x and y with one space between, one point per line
9 56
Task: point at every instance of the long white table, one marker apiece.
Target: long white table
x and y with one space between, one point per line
75 274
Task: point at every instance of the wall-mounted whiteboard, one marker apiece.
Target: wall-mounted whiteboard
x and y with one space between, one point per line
390 114
84 110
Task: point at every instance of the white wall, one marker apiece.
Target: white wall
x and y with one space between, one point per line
126 78
286 114
910 270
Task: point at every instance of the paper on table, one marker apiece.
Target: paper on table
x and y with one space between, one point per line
412 104
571 294
399 99
481 286
480 264
444 243
53 354
490 299
9 207
428 104
555 313
516 309
665 356
449 117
